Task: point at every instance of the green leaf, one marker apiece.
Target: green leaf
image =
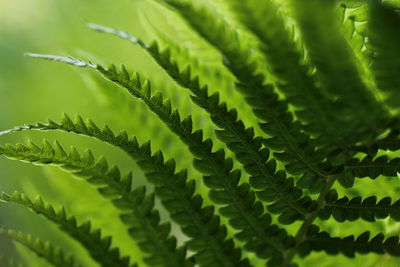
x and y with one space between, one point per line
139 217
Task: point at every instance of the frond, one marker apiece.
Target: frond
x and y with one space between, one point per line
294 146
239 139
318 77
98 247
268 236
174 191
207 236
220 176
368 167
137 208
349 246
384 40
287 62
368 209
286 134
353 30
356 106
55 256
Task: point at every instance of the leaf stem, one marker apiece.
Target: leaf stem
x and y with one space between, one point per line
309 219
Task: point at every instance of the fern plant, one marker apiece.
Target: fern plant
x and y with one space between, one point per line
322 81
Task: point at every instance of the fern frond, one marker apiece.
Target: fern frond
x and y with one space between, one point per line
286 134
368 209
8 262
368 167
98 247
137 208
384 40
220 176
239 139
353 31
286 62
357 106
315 75
176 194
268 236
55 256
207 236
349 246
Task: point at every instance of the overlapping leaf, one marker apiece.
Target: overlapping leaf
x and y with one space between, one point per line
287 62
163 176
239 139
137 207
287 137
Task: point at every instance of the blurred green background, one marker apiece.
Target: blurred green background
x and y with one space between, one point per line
32 90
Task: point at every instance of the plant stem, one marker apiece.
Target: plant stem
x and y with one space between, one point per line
309 219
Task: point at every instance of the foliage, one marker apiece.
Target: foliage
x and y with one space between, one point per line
315 92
